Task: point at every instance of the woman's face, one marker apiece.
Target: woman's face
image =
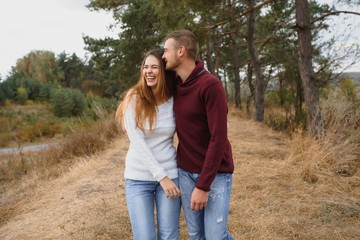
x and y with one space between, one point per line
151 70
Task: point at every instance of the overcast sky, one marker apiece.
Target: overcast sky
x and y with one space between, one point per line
59 25
54 25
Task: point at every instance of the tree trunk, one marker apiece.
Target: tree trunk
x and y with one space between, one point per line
251 87
314 117
255 62
299 99
236 63
209 61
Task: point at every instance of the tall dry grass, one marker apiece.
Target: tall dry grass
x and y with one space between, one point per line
326 174
25 170
298 187
338 151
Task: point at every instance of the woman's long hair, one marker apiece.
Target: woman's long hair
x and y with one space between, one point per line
146 99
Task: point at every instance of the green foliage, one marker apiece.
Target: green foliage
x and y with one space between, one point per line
33 87
35 90
279 97
79 102
2 95
143 26
73 68
347 87
68 102
45 91
109 104
8 88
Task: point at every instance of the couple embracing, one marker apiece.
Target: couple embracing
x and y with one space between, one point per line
197 176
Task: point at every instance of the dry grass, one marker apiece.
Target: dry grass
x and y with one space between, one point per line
283 188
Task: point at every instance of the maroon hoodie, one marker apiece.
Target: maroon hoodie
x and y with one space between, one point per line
200 108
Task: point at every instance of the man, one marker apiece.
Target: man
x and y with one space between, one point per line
204 154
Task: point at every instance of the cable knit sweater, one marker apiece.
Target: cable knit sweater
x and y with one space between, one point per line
151 155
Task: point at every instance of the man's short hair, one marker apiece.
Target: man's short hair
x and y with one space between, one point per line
187 39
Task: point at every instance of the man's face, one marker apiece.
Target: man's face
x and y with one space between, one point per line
171 55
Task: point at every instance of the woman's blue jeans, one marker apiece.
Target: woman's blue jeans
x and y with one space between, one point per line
211 222
140 199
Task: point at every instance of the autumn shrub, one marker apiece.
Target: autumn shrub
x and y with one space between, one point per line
5 138
6 102
4 124
30 133
26 134
278 114
22 95
47 129
280 120
27 123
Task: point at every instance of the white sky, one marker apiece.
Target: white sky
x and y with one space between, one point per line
59 25
54 25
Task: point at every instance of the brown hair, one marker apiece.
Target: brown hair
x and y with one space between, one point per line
147 99
186 38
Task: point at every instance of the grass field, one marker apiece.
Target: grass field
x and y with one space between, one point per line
284 187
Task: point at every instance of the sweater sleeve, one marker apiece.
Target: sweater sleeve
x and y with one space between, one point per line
137 138
216 111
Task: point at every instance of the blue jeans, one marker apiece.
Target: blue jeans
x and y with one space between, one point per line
140 199
211 222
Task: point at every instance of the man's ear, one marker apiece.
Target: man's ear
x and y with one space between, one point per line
181 50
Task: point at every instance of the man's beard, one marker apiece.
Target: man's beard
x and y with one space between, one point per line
173 66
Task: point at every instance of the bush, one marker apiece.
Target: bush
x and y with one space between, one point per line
280 122
21 95
45 91
279 97
99 107
68 102
347 87
79 102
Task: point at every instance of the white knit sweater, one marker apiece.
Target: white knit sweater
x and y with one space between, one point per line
151 155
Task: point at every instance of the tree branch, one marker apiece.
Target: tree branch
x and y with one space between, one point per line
333 13
257 7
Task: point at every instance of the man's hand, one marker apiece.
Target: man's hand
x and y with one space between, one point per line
199 199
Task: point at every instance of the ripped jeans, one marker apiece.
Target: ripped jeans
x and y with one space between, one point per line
211 222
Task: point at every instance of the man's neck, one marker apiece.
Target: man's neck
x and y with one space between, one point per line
186 69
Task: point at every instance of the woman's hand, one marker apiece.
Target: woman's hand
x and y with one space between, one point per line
170 188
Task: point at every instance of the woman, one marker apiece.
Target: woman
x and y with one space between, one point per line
151 175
